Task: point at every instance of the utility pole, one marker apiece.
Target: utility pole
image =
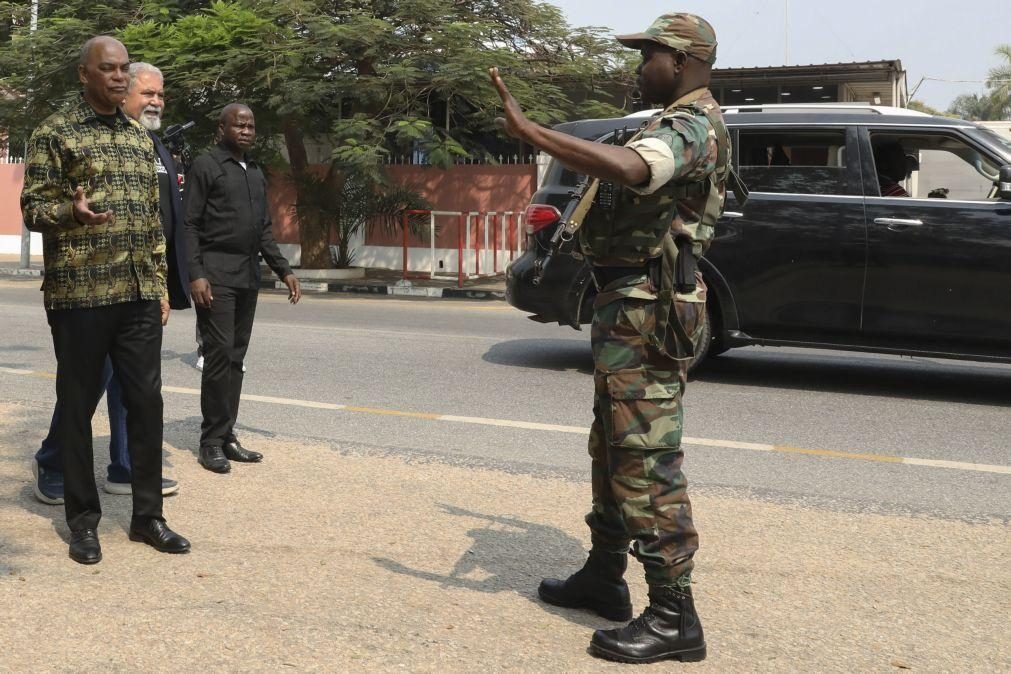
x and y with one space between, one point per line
26 236
786 35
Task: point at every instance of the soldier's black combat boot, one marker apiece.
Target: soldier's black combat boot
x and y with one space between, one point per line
669 629
599 586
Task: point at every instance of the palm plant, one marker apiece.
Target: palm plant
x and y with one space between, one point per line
999 83
336 205
995 104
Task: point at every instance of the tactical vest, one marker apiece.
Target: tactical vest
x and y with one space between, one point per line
626 229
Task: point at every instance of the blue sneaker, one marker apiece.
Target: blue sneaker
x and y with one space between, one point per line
48 484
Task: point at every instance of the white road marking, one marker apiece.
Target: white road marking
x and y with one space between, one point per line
580 430
373 331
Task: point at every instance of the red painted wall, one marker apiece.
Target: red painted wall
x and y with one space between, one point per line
460 188
11 179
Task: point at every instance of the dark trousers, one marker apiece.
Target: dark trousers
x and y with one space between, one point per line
226 328
129 334
50 455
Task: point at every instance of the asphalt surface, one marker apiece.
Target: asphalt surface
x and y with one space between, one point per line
793 468
485 360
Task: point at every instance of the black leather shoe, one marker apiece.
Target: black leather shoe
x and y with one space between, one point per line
599 586
84 546
236 452
669 629
156 533
213 459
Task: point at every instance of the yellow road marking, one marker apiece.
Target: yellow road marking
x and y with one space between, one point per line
395 413
579 430
835 454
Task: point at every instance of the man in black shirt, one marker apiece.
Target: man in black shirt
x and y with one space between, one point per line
227 227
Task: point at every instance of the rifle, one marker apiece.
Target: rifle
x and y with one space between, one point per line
580 201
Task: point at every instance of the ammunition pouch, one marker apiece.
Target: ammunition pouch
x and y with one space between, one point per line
685 266
626 229
672 339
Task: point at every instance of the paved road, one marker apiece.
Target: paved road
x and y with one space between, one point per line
482 359
426 464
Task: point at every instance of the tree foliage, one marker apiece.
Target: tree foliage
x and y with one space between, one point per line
920 106
995 102
357 79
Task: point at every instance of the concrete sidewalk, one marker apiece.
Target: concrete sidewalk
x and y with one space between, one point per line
374 282
352 557
391 282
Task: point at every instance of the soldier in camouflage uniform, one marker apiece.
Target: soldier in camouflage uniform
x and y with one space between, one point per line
668 189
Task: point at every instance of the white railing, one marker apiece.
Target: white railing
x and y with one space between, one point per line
418 159
498 238
11 160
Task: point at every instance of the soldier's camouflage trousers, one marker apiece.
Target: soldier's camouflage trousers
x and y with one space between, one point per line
639 492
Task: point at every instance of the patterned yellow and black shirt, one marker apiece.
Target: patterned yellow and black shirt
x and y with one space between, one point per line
113 159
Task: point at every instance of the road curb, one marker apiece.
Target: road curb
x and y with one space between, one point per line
427 292
310 286
17 271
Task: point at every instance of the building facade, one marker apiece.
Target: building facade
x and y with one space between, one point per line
874 82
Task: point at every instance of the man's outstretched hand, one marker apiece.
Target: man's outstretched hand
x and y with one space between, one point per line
615 164
515 123
83 213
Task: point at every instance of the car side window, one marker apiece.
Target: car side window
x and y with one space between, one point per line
796 162
933 165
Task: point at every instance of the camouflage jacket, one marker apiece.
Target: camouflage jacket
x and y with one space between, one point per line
692 140
122 260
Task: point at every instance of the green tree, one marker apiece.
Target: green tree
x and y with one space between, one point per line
348 83
995 103
369 78
974 107
919 106
999 84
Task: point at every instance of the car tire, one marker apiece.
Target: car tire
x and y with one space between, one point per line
702 349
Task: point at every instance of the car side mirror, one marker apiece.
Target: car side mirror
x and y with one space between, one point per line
1005 182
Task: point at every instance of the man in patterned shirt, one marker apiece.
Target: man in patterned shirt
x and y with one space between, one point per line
91 190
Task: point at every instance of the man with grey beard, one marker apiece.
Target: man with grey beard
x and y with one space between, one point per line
145 102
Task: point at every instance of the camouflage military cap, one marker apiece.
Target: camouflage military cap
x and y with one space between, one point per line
679 31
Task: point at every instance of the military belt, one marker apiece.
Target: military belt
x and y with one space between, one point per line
605 276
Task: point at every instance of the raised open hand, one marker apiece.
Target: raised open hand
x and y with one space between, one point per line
515 122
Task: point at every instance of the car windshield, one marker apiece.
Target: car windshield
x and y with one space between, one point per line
995 138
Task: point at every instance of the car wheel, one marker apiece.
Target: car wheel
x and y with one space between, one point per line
702 349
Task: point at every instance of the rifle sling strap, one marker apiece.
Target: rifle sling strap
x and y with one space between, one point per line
574 222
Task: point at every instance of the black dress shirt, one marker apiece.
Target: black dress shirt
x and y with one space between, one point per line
227 221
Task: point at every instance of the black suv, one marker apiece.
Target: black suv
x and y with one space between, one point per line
868 229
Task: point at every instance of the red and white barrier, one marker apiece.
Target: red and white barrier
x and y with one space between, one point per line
485 244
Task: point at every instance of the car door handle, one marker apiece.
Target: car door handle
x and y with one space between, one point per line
732 214
897 222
